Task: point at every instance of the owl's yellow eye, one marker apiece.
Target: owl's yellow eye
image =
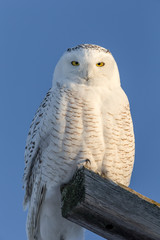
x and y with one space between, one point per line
75 63
100 64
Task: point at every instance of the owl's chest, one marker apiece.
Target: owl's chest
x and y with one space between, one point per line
77 127
76 115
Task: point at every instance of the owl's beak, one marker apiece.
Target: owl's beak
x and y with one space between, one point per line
87 72
86 75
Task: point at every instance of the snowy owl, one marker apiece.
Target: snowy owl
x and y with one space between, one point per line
85 115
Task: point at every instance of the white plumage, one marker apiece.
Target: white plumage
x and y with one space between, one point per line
85 115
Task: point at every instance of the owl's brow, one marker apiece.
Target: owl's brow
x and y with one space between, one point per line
88 46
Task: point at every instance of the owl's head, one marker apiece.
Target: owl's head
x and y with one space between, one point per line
89 65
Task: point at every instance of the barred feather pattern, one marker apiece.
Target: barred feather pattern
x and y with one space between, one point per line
68 128
120 146
85 115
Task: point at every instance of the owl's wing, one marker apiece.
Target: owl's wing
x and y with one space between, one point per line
36 135
33 184
120 145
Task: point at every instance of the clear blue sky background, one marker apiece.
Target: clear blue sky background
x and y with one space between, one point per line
33 35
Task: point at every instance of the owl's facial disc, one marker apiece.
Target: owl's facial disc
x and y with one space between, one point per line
85 65
88 67
86 77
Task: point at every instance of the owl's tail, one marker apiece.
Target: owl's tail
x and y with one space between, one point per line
35 203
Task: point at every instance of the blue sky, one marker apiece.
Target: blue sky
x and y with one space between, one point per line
33 35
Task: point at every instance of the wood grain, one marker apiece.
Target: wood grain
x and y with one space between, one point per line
112 211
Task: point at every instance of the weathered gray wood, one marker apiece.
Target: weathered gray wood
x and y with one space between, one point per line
112 211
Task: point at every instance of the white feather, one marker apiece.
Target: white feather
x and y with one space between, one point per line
85 115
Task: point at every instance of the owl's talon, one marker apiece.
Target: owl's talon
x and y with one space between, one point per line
82 163
88 161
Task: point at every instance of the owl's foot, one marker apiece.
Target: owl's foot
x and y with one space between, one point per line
84 163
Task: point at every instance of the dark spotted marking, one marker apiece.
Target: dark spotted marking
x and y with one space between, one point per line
42 190
88 46
48 94
43 105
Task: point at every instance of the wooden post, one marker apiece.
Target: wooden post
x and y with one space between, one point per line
112 211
